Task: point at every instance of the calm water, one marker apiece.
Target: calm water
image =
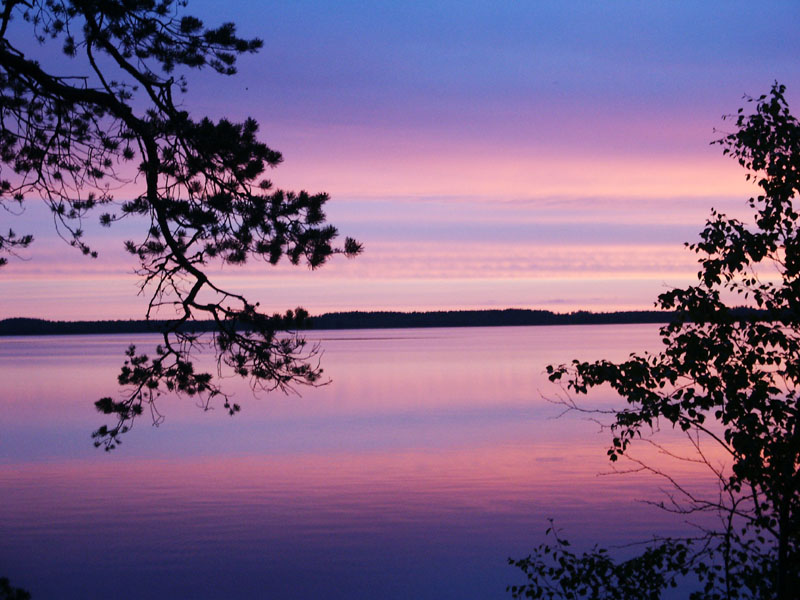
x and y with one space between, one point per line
431 457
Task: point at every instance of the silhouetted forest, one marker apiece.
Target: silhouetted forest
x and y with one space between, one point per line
364 320
479 318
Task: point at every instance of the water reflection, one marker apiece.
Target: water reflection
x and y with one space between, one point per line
429 459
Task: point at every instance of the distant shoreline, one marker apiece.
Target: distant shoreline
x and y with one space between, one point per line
354 320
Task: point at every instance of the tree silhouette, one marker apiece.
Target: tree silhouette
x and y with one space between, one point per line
199 183
724 379
7 592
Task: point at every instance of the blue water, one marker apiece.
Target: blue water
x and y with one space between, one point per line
430 457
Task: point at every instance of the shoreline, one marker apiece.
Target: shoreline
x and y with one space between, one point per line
21 326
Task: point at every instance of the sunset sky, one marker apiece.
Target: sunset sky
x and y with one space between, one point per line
529 154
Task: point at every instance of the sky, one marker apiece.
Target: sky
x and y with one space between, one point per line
547 155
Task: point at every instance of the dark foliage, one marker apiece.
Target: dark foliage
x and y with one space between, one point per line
8 592
351 320
201 188
479 318
728 381
370 320
497 318
554 571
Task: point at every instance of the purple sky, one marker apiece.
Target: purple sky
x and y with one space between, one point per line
529 154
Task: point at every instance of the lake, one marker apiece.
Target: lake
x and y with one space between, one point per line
431 457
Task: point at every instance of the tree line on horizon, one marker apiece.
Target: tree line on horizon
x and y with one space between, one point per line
364 320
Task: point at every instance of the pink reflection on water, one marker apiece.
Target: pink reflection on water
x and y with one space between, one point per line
428 460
